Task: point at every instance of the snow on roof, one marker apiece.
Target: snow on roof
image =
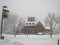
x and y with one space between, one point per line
47 27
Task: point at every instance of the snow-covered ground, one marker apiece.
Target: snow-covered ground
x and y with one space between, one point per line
29 40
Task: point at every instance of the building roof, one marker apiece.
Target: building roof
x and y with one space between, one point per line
47 27
38 26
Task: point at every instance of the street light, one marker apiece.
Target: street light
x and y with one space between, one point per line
4 15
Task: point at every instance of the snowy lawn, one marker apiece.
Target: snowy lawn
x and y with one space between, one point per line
29 40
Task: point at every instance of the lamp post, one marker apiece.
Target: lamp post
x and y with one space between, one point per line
58 42
4 14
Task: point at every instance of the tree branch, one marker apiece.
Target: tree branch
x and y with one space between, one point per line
54 26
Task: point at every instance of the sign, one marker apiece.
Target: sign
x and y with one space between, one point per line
5 13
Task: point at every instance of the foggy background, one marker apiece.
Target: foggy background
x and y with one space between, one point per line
34 8
37 8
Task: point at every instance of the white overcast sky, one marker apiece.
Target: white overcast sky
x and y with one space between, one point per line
37 8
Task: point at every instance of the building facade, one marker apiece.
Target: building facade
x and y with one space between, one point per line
35 29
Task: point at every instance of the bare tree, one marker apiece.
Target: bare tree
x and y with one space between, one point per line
20 24
9 23
57 30
13 21
58 19
51 22
12 24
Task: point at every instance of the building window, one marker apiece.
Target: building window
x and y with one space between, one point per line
26 23
33 23
30 23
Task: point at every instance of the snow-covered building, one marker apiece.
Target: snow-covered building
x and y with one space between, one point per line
34 29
